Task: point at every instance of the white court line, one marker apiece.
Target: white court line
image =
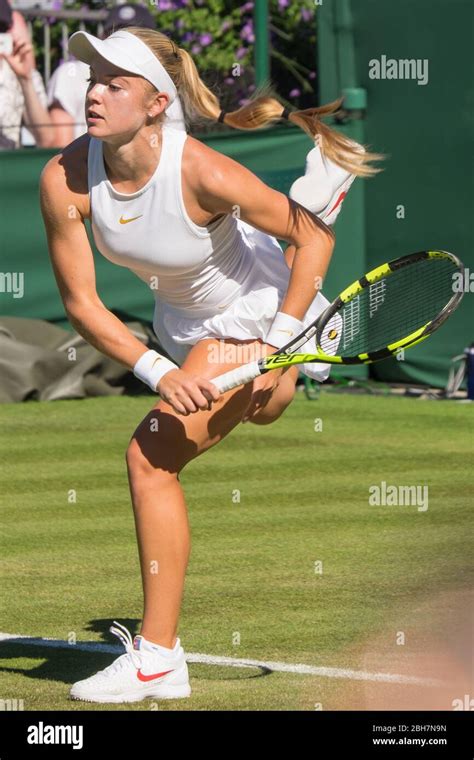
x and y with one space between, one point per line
208 659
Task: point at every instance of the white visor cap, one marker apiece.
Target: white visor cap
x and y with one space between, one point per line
127 52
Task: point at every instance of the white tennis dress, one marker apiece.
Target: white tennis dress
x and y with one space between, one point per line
224 280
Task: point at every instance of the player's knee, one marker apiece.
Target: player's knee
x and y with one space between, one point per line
137 463
145 463
158 447
276 406
286 394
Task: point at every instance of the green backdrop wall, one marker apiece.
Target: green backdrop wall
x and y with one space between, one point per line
427 131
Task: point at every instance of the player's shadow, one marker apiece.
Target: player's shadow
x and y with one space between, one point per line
65 663
69 663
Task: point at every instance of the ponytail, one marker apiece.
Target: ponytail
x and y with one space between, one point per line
201 104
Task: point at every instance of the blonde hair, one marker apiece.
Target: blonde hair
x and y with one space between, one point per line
200 104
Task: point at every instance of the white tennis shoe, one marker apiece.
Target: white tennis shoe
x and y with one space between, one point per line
139 673
323 186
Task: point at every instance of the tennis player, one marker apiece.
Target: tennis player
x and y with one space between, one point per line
201 230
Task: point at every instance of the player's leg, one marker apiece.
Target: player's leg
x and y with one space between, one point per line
281 398
161 446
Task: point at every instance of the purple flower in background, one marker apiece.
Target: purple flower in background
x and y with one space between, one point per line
226 25
196 49
247 32
283 4
246 7
312 75
251 87
165 5
244 102
229 80
188 36
241 52
307 14
295 93
205 39
57 5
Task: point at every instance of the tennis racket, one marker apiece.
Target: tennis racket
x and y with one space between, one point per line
392 307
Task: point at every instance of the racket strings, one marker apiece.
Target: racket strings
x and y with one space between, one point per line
392 308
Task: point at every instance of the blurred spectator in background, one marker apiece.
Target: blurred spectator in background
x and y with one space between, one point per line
23 99
68 86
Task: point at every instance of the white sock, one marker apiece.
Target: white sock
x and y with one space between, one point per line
164 651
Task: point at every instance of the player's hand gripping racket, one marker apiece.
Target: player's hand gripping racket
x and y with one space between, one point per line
392 307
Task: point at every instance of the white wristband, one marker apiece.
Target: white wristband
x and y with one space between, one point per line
283 329
151 367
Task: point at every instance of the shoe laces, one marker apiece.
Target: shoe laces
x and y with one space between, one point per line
131 655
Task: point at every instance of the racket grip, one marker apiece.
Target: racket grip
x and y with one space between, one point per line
235 377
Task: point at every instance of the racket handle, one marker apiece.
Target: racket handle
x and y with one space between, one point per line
235 377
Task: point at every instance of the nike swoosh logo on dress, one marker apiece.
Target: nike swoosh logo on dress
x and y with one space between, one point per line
126 221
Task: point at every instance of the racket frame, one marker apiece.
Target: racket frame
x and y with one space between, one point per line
287 355
353 290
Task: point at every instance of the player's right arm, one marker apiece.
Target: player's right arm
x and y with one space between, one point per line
73 266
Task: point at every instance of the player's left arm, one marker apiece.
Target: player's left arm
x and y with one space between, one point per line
225 186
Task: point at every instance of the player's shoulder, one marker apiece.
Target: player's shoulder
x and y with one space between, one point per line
206 167
70 163
65 174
